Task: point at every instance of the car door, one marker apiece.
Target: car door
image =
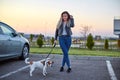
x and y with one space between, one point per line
12 44
16 44
4 43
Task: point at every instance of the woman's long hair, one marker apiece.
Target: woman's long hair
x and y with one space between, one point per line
61 20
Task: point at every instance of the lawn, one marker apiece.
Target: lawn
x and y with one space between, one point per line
76 51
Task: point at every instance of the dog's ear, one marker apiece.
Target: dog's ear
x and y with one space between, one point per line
43 62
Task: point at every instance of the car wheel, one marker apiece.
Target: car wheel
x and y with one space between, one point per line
25 52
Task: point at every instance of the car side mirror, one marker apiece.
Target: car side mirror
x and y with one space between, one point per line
14 34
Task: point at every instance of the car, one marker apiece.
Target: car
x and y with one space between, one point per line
12 43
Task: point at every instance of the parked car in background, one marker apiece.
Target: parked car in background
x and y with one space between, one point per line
12 44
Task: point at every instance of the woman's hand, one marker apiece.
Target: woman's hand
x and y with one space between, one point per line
55 41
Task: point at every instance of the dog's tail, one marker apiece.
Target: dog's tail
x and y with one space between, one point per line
26 61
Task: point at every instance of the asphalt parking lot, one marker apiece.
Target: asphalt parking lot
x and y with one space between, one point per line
83 68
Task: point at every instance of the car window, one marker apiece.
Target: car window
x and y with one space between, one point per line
6 30
1 32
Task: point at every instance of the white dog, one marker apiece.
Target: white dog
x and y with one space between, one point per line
43 64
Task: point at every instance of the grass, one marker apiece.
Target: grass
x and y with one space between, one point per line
77 51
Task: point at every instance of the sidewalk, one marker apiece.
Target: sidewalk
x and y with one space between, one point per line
83 68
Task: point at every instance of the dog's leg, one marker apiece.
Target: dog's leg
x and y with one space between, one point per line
31 70
44 71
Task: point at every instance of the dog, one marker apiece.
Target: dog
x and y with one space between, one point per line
43 64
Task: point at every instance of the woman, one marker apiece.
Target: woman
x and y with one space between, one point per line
63 30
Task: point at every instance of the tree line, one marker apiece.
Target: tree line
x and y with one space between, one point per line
84 30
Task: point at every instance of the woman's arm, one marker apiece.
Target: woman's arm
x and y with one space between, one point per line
72 21
56 34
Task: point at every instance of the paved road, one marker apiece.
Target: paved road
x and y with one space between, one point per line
83 68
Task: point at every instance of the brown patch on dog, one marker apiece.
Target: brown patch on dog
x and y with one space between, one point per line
48 62
43 62
31 62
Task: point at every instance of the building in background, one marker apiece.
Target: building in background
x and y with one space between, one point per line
117 26
98 37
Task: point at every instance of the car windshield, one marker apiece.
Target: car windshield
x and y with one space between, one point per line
6 30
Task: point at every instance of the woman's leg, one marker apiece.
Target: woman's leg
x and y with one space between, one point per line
68 44
65 43
62 45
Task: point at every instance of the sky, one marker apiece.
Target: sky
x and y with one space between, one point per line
41 16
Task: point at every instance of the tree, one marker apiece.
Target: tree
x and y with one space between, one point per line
52 40
84 30
106 44
90 42
40 40
31 37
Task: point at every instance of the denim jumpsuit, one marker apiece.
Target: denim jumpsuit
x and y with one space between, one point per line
65 41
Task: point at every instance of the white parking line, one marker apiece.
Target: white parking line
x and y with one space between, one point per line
111 71
13 72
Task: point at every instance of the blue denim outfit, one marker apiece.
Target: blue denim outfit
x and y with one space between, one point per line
65 43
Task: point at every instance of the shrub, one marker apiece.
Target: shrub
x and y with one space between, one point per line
52 40
106 44
31 37
90 42
40 41
119 43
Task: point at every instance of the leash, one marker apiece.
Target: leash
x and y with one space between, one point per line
51 51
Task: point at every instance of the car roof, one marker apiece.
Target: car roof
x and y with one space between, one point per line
2 23
7 25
